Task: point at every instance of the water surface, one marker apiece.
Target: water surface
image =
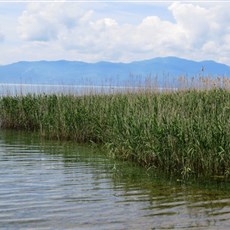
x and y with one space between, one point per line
52 185
24 89
37 89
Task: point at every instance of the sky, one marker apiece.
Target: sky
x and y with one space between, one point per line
117 31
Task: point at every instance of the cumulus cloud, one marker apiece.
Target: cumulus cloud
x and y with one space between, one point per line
207 29
200 24
45 21
198 31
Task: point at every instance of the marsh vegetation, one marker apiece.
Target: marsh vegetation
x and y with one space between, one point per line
184 132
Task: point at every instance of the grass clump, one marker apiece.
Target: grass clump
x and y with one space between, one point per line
183 133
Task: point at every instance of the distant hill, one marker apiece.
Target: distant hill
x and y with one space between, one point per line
107 73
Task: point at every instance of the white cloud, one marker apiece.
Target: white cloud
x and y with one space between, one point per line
201 24
71 31
207 29
44 21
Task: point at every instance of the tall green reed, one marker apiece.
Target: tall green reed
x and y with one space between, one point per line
184 133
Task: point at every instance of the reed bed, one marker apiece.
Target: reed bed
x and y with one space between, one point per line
184 133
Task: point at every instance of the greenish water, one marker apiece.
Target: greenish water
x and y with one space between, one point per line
52 185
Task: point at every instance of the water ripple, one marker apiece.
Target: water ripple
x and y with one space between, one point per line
55 186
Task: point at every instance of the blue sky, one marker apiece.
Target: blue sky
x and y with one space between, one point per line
118 31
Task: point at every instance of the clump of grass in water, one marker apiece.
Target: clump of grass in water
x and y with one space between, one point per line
183 133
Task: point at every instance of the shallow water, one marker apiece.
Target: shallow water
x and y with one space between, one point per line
52 185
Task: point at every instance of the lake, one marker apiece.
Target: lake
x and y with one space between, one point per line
23 89
48 184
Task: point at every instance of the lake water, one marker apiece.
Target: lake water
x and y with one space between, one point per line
23 89
53 185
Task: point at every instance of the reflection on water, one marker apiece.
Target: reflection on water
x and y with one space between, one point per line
51 185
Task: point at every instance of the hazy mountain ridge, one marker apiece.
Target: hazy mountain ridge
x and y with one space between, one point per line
107 73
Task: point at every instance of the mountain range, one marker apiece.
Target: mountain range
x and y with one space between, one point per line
108 73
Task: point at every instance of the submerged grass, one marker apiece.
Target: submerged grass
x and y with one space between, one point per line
183 133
